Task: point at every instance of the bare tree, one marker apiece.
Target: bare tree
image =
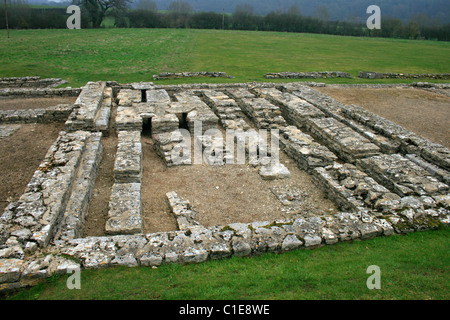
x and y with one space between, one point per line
322 13
96 9
147 5
294 10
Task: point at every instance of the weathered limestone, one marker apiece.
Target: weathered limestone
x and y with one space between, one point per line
128 166
126 97
58 113
352 188
182 210
341 139
128 118
294 109
378 75
40 92
30 82
390 137
263 113
200 112
42 206
173 148
158 96
304 150
101 121
7 130
87 105
392 187
165 123
228 111
73 222
239 93
124 215
273 171
215 150
402 175
201 74
307 75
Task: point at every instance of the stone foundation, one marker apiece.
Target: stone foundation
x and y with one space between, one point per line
384 178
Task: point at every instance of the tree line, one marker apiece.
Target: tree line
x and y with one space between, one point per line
144 14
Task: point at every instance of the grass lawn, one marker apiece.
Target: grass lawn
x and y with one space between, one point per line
413 266
133 55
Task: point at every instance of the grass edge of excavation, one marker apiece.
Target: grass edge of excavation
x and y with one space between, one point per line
413 266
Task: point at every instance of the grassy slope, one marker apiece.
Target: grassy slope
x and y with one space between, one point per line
129 55
415 266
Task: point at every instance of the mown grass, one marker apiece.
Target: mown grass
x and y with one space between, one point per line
129 55
249 55
414 266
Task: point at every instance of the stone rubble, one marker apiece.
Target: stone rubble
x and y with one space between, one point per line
378 75
384 178
30 82
7 130
125 213
52 114
180 75
182 210
128 166
307 75
87 107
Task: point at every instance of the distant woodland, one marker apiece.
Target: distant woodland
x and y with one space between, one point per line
411 19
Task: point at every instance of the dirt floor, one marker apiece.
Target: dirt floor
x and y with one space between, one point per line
423 112
20 155
219 194
8 103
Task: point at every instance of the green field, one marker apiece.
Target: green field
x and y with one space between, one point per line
414 266
133 55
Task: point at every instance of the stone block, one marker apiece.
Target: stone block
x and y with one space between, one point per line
124 215
128 166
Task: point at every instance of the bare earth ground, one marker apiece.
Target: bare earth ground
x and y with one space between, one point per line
20 155
423 112
8 103
220 194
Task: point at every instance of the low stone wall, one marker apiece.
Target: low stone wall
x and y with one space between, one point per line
183 211
90 108
307 75
180 75
58 113
40 209
378 75
30 82
36 93
7 130
389 188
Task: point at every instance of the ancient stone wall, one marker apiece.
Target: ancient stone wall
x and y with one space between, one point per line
379 75
307 75
30 82
384 178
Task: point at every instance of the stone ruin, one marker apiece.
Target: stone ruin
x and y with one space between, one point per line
384 178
